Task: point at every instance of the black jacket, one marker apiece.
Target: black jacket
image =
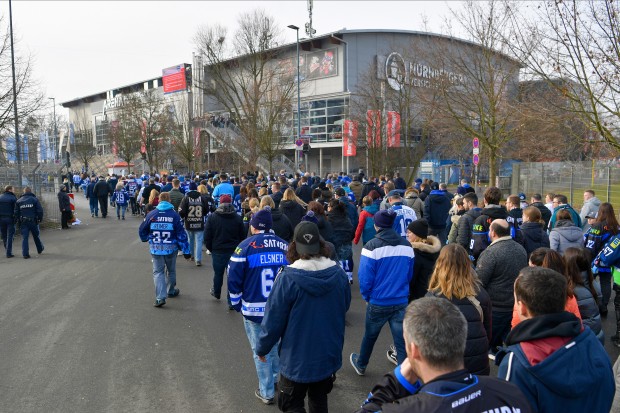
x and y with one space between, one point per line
544 211
7 204
194 208
436 208
423 266
293 211
224 230
534 236
466 223
325 229
29 208
342 229
147 192
101 189
480 230
64 203
282 225
304 192
369 186
444 393
277 197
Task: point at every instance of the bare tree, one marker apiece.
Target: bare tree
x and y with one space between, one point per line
126 132
181 129
151 115
575 47
248 81
83 149
29 94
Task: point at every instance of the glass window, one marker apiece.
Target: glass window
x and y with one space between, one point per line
335 102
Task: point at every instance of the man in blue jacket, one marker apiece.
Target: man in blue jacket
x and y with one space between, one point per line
251 272
7 218
306 310
557 364
224 187
29 212
164 231
386 267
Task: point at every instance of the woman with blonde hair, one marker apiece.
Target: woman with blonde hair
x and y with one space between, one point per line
263 192
455 279
253 205
292 207
154 197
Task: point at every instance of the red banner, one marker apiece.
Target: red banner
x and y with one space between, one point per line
349 138
373 128
197 145
393 129
174 79
114 129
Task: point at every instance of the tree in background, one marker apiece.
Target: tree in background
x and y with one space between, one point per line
83 149
126 132
248 80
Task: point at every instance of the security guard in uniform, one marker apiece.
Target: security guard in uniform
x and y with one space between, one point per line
29 212
7 220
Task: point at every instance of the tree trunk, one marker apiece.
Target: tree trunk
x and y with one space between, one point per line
492 166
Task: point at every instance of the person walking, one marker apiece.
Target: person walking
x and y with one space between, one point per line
120 198
64 204
436 209
7 219
310 346
29 212
193 210
163 230
251 274
101 191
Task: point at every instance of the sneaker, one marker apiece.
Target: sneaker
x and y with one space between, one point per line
10 255
198 263
261 398
353 359
123 218
212 292
391 356
26 257
159 303
174 293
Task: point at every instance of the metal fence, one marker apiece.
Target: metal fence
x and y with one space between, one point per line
570 179
44 180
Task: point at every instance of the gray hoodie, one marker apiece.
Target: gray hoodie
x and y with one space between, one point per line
590 207
565 234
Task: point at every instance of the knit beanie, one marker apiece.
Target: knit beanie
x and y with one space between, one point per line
262 219
385 218
419 228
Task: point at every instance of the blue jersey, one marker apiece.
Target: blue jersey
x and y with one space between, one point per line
404 216
251 272
121 197
132 187
164 231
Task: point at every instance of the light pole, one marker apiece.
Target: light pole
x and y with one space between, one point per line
18 151
297 160
55 129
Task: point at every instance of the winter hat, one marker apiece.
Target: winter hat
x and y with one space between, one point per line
435 186
262 219
419 228
307 238
193 186
310 217
340 192
418 181
225 199
394 193
385 218
521 196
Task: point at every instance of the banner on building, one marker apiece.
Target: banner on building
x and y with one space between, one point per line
197 145
393 129
373 128
349 138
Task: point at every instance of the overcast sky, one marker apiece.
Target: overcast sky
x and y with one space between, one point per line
86 47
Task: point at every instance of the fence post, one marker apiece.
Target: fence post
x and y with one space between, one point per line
608 184
572 172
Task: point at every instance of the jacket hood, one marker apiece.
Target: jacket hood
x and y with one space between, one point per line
594 201
227 209
432 248
474 212
372 208
568 230
316 276
495 212
276 214
389 236
437 192
164 206
533 230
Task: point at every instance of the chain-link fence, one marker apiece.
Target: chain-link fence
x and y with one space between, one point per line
570 179
44 180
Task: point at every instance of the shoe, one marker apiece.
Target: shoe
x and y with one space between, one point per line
123 218
212 292
391 356
118 217
353 359
263 399
174 293
40 252
159 303
26 257
604 312
10 255
198 263
231 308
92 215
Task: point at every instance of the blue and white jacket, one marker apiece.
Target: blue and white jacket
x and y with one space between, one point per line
306 311
121 197
164 231
132 187
386 268
251 272
404 216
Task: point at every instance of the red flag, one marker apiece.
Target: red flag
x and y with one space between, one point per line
197 146
373 128
349 138
393 129
114 126
143 143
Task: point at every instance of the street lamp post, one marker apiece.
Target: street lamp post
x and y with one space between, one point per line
55 128
297 160
17 142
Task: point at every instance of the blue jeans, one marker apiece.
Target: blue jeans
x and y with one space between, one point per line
220 262
376 317
267 372
195 243
7 228
164 282
500 327
120 210
30 228
94 205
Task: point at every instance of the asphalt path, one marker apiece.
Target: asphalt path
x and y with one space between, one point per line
78 332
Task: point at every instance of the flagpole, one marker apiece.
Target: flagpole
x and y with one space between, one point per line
17 142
